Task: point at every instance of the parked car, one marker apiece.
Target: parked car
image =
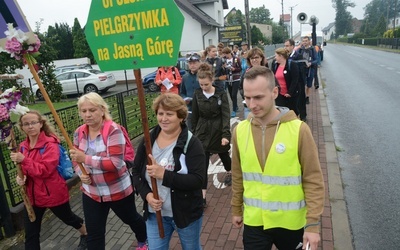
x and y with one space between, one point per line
89 80
66 68
148 80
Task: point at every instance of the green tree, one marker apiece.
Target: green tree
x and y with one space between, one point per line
80 44
256 36
279 34
260 15
46 68
373 12
380 27
343 16
61 36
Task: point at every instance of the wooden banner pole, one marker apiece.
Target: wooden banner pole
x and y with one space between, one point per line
147 142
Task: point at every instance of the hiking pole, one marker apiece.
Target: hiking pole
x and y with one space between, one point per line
147 142
51 107
27 203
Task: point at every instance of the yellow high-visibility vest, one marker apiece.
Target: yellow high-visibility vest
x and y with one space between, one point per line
273 197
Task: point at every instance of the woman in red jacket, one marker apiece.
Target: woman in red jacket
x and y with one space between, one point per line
168 78
39 156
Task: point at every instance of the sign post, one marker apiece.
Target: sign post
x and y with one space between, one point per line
135 34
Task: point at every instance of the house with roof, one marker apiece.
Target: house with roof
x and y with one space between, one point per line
203 18
329 31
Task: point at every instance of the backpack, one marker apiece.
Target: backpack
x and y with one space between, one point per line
187 142
64 167
129 151
173 71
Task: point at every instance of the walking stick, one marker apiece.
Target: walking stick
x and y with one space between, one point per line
51 107
28 206
147 142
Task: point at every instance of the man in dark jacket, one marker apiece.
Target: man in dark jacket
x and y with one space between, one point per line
190 84
296 57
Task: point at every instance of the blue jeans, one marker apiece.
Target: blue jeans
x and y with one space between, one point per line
189 236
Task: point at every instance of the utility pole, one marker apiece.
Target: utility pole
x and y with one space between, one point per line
247 14
394 19
291 20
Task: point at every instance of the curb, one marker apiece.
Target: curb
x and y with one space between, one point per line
342 238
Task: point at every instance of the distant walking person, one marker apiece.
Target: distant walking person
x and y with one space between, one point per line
277 183
294 56
46 188
168 78
287 74
190 84
233 67
211 121
218 67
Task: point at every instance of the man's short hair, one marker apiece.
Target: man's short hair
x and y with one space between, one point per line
291 41
263 71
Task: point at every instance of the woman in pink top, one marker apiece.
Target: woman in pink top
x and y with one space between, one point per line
168 78
287 74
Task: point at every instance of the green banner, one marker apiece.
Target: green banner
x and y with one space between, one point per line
133 34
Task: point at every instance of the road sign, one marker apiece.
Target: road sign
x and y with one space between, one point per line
134 34
231 34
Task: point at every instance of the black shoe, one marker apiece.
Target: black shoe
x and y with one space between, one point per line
204 203
228 179
82 243
307 100
316 86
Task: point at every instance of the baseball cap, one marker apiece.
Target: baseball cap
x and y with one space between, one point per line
244 43
190 57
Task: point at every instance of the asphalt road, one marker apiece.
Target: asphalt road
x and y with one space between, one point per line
362 87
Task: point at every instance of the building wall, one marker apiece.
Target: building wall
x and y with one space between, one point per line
265 29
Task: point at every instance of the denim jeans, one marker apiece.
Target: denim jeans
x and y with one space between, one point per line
189 236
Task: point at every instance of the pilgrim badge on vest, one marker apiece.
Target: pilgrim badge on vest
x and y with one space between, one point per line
280 148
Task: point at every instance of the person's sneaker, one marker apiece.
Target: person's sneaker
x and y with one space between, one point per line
142 247
228 179
82 243
307 100
316 86
233 114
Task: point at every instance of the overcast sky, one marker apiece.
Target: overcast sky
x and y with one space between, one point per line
57 11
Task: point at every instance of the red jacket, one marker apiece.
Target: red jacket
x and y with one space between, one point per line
44 185
172 73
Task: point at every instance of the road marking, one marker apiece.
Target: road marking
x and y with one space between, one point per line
214 168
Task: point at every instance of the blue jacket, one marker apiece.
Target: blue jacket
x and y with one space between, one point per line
188 86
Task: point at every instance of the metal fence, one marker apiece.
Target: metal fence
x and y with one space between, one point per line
125 110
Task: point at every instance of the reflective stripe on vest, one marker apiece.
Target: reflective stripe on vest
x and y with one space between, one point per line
273 197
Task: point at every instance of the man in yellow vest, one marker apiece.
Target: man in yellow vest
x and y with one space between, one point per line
278 187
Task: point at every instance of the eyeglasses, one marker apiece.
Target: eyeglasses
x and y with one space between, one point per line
27 124
255 58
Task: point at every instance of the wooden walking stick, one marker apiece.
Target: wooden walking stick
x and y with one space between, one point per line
147 142
28 206
51 107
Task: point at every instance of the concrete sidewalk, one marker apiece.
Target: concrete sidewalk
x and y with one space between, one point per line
218 231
